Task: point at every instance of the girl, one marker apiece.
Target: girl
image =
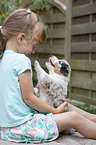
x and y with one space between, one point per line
19 119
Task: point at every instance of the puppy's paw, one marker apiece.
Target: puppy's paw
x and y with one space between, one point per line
36 91
36 64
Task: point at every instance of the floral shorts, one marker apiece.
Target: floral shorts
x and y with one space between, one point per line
41 128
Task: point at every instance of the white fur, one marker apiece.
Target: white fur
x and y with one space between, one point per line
53 87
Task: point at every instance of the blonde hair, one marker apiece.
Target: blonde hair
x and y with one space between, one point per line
21 21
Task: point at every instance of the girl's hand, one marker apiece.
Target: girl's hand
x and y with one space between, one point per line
62 108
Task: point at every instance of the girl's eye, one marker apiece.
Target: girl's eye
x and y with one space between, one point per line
59 62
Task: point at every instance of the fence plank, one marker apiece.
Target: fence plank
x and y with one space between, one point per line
83 65
84 28
59 5
83 47
54 18
67 52
84 10
83 83
82 98
52 49
56 33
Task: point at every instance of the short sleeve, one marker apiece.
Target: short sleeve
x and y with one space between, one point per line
22 63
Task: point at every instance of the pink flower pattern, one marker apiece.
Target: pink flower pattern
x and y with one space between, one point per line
41 128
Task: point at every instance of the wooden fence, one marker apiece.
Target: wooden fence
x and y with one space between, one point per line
72 35
83 50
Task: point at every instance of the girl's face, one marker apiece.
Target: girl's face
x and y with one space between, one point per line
27 46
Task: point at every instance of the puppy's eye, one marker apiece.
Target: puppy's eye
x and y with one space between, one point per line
59 62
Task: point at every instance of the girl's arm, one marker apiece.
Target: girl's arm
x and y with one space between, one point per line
32 100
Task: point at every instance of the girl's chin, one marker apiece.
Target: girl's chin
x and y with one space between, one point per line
30 53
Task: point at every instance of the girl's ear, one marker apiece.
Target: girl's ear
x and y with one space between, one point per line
20 37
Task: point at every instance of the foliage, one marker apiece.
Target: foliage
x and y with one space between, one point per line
42 4
7 7
39 6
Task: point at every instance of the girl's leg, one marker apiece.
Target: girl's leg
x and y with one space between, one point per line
74 120
90 116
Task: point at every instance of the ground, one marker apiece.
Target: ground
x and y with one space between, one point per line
75 139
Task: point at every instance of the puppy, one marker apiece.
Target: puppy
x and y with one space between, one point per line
53 86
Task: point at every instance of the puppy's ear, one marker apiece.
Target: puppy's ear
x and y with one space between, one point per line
64 69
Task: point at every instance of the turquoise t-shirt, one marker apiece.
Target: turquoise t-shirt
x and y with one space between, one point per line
13 110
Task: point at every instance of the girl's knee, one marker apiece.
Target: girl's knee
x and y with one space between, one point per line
76 119
74 116
67 120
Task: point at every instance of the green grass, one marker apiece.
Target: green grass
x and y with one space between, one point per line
87 108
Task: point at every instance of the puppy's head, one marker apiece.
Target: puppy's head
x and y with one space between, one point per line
60 67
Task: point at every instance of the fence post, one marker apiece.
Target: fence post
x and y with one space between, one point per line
67 50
